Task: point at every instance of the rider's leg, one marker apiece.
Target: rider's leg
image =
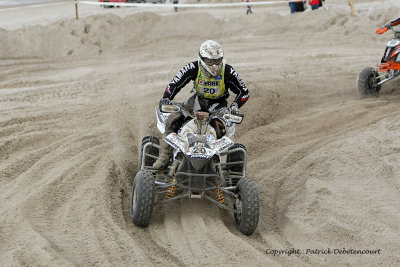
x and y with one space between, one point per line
172 124
164 156
217 123
219 127
383 60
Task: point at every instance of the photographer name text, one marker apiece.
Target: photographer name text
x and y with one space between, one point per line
326 251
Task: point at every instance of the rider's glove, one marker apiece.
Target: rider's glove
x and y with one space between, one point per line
234 108
164 101
383 29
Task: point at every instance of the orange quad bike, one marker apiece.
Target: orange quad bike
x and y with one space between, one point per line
371 79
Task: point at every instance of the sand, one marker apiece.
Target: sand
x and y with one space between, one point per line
77 97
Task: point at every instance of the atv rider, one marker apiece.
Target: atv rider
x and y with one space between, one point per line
212 78
388 26
384 29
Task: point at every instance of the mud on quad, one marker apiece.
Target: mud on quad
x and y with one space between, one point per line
202 166
371 79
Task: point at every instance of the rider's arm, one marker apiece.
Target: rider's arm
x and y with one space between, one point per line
386 27
184 76
395 22
236 85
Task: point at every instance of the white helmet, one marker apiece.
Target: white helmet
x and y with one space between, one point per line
210 58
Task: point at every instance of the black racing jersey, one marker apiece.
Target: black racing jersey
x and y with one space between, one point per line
188 73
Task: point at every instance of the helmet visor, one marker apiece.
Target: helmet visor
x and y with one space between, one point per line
211 62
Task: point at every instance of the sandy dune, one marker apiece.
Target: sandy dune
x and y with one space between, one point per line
76 98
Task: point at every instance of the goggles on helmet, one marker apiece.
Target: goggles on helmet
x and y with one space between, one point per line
210 61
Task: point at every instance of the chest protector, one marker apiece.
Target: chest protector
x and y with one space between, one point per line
210 88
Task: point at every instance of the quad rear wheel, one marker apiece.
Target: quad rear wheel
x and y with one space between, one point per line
142 201
248 206
368 82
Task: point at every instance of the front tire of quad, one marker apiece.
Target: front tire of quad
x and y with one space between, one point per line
142 200
368 82
248 202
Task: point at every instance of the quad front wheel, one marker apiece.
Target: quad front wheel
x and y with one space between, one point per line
247 205
368 82
142 201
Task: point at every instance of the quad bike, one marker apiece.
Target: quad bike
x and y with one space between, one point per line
371 79
201 166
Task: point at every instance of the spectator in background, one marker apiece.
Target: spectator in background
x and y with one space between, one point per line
296 6
292 7
175 2
315 4
248 7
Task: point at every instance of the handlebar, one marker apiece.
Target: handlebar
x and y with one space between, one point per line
175 107
387 27
222 113
381 30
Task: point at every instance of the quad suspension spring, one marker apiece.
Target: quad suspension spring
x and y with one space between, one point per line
220 195
172 189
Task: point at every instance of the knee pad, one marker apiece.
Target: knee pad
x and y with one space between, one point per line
174 121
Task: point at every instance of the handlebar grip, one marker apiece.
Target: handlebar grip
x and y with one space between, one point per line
381 30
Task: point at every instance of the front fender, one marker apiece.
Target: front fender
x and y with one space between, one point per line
161 120
176 142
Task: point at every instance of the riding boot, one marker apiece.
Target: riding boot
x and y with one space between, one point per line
164 156
174 121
